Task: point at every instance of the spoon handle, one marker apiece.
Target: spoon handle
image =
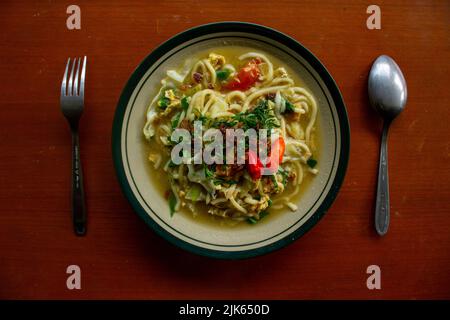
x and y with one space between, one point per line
382 203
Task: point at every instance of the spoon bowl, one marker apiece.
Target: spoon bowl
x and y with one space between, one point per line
387 87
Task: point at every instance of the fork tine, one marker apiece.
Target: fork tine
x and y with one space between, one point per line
83 75
70 87
75 81
64 81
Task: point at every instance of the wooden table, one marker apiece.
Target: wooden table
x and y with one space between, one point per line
121 257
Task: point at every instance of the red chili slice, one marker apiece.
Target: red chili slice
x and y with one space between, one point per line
246 77
254 165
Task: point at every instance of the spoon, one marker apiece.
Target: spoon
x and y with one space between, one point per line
387 95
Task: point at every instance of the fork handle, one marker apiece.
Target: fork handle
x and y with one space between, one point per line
78 201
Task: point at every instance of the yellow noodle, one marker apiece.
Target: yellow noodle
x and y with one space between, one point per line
258 94
211 70
248 197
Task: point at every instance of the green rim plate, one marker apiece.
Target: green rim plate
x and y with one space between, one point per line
219 27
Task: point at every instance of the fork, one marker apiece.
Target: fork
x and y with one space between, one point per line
72 105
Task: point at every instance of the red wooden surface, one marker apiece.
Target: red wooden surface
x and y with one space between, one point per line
121 257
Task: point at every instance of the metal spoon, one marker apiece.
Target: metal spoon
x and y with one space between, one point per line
387 95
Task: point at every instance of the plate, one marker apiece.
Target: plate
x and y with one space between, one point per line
130 154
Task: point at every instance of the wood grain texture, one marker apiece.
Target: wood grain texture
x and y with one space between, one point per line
121 257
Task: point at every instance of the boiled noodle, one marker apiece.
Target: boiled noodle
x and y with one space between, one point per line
225 90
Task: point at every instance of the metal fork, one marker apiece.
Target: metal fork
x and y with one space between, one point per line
72 105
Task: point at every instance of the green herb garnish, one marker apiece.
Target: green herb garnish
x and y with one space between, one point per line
262 214
252 220
163 102
289 107
223 74
275 182
185 104
223 122
176 120
208 173
172 203
204 119
260 117
311 162
284 175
